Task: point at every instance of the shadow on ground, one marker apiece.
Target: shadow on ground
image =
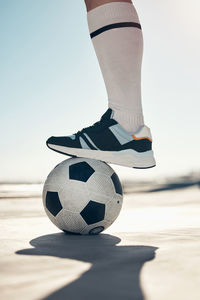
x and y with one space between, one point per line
115 270
173 186
130 187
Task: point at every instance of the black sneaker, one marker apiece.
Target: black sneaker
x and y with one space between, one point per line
107 141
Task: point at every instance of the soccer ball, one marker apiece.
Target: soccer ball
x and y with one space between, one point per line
82 196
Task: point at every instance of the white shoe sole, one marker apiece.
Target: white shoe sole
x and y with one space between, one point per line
128 158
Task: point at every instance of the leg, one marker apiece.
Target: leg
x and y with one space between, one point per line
119 50
90 4
120 137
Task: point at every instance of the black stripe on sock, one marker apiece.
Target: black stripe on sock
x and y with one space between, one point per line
115 25
87 142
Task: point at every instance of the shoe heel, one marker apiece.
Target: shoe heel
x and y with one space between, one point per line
136 160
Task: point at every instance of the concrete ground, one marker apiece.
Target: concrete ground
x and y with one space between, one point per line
151 252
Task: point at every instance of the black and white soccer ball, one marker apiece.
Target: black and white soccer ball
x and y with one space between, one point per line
82 196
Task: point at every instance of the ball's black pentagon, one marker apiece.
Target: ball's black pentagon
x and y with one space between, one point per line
117 184
93 212
53 203
80 171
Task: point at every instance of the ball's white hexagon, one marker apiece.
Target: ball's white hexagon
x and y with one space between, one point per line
113 208
101 184
71 221
58 176
74 196
52 218
59 220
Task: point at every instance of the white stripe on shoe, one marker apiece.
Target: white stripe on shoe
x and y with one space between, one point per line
89 139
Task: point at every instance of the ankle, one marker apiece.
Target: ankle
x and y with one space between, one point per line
130 121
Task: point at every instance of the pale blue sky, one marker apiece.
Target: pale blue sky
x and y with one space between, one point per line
51 83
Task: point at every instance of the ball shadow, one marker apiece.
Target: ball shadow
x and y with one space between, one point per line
115 270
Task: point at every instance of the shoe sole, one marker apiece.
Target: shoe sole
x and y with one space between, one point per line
127 158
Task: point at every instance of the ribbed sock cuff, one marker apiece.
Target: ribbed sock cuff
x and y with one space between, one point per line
111 12
130 121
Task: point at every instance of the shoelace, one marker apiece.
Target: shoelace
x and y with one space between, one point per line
94 126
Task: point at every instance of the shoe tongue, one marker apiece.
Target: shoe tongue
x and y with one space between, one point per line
107 114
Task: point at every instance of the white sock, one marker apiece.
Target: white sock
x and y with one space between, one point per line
119 51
